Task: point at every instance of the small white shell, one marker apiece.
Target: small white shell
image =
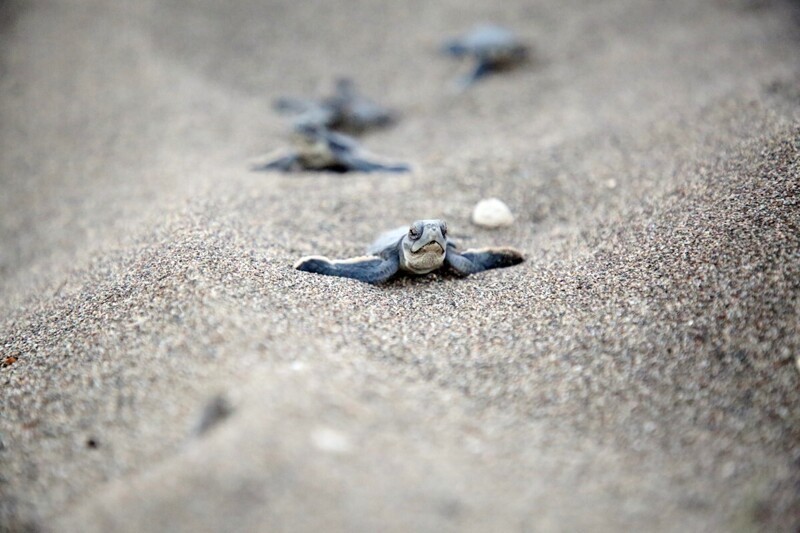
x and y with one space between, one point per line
492 213
330 440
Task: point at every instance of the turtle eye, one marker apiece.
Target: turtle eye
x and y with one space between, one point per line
413 233
443 227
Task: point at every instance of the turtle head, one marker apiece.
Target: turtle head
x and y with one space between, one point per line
345 88
425 245
308 130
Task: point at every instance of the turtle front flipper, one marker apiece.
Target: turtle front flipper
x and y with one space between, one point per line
286 163
359 164
288 105
455 48
481 69
370 269
473 261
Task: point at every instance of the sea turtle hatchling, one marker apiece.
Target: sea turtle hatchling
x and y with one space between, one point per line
419 249
319 149
346 110
494 48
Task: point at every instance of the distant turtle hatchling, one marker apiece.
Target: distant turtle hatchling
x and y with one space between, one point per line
494 49
419 249
319 149
347 110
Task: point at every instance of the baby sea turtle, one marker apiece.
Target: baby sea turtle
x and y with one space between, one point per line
419 249
347 110
494 48
317 148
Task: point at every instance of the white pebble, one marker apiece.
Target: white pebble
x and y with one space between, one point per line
330 440
492 213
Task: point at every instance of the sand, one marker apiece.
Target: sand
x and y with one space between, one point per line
173 372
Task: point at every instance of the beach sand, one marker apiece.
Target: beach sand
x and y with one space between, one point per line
639 371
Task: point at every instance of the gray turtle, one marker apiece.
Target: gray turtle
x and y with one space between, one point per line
346 110
319 149
494 48
419 249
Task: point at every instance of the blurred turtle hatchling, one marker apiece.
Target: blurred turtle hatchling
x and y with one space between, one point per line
493 48
319 149
346 110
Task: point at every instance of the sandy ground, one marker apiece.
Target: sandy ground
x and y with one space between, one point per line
638 372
